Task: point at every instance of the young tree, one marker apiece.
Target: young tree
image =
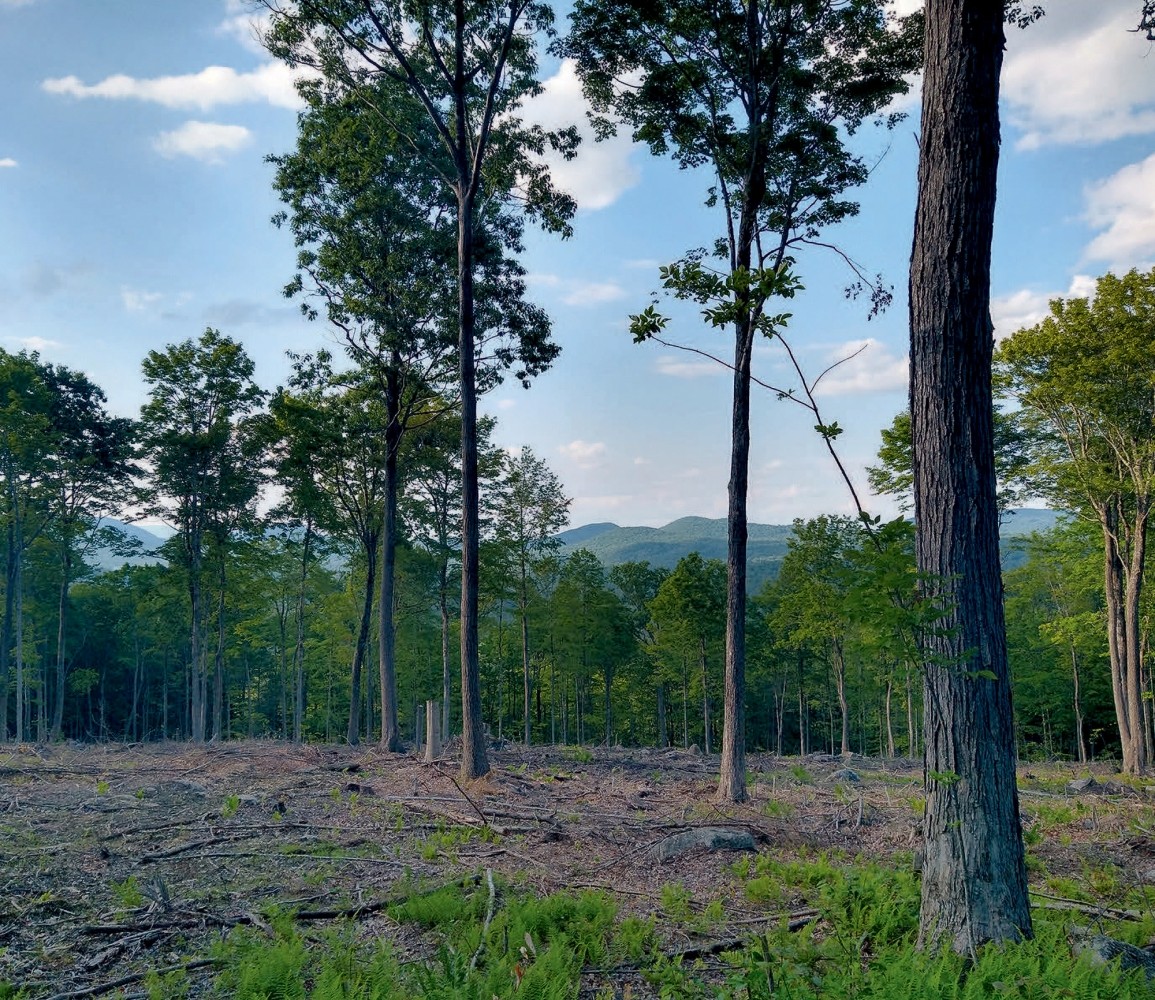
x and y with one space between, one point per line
529 509
198 391
688 612
974 881
1084 378
762 94
468 67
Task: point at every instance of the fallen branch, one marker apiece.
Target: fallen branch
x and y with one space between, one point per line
488 919
136 977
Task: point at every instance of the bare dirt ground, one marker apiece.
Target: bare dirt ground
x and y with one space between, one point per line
121 859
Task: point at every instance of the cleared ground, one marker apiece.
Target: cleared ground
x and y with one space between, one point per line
120 859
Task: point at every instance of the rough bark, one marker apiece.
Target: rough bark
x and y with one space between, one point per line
353 732
974 886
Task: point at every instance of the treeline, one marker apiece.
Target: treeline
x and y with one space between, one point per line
269 624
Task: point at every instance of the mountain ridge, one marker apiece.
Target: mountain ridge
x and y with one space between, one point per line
614 544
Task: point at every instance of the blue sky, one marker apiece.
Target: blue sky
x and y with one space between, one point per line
137 206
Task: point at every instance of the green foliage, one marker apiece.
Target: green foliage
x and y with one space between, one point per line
128 893
230 806
676 900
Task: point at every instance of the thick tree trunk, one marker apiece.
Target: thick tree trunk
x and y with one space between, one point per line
974 885
446 673
386 632
1116 591
1135 755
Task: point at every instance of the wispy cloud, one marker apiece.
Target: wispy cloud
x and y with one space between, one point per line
209 142
576 292
271 83
136 300
245 25
675 367
7 162
34 343
585 454
869 366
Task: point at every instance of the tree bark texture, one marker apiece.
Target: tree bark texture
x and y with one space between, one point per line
974 886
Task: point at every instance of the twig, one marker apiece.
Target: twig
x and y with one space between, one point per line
136 977
1062 903
488 918
476 807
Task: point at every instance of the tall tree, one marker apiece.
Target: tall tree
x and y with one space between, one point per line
335 418
198 391
1085 378
25 436
974 882
530 508
468 66
762 94
376 242
90 476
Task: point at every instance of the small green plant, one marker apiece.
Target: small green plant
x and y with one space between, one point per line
230 807
777 809
140 794
128 893
579 754
676 899
102 787
801 775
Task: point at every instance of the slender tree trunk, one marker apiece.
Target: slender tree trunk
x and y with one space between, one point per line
889 719
526 681
18 584
702 664
974 885
446 673
61 639
219 658
196 659
370 542
843 706
1080 738
663 740
9 617
1135 756
386 631
299 648
608 678
1114 589
474 758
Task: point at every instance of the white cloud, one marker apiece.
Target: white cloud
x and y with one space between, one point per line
137 301
245 25
1122 207
585 454
34 343
602 171
206 141
1026 308
271 83
592 293
870 366
577 292
6 162
680 368
1081 75
506 404
17 3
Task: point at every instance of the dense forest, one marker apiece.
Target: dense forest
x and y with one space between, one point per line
286 594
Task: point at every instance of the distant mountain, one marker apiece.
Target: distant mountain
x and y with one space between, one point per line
106 558
664 546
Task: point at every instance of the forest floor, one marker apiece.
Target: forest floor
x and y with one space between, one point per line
117 860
